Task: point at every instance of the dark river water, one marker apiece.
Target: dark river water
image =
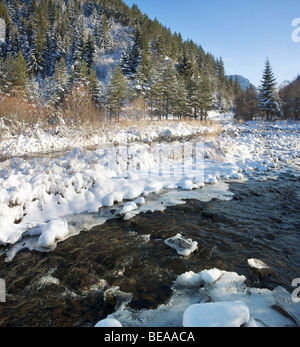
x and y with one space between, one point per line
66 287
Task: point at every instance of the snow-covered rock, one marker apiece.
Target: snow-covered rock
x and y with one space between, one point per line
219 314
182 245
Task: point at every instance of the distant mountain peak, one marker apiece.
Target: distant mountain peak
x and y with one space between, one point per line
243 81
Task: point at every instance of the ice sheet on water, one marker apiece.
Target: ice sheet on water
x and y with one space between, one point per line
228 292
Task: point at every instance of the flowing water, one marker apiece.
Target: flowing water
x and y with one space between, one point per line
74 284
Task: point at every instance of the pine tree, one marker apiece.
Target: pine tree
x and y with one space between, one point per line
125 62
36 55
246 104
143 73
182 107
206 98
154 95
135 53
269 100
195 94
60 82
20 71
169 87
95 87
106 37
116 93
89 52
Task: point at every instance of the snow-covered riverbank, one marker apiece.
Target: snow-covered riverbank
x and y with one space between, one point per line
37 194
46 199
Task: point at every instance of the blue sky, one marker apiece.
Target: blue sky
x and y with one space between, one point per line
243 32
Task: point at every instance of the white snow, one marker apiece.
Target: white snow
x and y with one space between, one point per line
128 207
120 170
218 315
51 196
224 301
206 277
108 323
257 264
53 231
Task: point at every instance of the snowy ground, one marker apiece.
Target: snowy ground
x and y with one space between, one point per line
44 195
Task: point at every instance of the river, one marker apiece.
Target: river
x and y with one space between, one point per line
70 285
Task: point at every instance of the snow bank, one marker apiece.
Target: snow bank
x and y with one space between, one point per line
40 190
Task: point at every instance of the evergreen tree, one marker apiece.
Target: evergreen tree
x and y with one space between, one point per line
20 73
237 89
290 96
60 82
182 107
36 55
154 94
269 99
50 54
169 87
185 67
125 62
106 37
143 73
206 98
95 87
116 93
246 104
89 52
195 94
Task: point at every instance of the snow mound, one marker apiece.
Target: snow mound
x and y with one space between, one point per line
52 232
183 246
219 314
108 323
206 277
128 207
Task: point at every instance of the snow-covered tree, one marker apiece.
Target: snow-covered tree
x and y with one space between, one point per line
60 82
169 87
116 93
269 100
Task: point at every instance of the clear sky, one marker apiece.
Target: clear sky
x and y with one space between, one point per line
243 32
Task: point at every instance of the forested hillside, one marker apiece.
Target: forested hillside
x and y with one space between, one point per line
99 55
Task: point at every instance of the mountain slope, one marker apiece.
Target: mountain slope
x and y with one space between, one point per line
56 44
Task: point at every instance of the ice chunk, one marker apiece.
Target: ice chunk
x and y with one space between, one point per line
183 246
257 264
108 323
219 314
